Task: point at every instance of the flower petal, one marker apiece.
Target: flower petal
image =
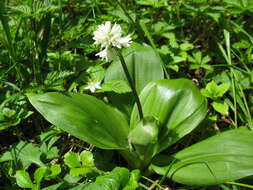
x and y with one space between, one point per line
125 41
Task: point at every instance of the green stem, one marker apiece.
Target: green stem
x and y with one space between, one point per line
60 33
130 81
12 51
135 24
143 32
153 182
240 184
6 29
232 74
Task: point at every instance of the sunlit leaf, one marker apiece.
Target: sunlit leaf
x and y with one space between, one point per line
143 64
84 117
224 157
177 105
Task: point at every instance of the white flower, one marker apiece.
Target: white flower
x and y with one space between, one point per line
107 35
92 86
105 54
125 41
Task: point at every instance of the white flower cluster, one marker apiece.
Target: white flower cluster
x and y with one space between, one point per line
107 35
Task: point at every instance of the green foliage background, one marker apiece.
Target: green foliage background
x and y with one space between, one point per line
47 46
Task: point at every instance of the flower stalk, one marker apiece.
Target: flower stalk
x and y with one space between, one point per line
130 81
109 37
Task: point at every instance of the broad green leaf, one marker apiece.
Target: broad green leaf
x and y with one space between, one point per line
143 64
144 139
225 157
220 107
39 174
84 117
27 153
115 180
177 105
23 179
72 159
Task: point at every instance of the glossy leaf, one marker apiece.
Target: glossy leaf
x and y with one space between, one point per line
144 139
143 64
224 157
84 117
177 105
